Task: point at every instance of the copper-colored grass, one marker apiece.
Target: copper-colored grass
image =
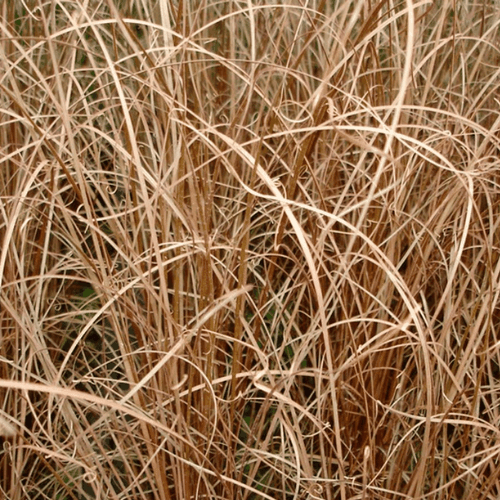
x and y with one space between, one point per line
249 250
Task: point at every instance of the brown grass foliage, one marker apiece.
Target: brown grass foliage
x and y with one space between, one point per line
249 250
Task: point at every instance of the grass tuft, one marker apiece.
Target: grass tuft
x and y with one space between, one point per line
249 250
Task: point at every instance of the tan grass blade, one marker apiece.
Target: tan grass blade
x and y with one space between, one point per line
6 428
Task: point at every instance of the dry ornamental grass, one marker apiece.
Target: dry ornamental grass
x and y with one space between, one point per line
249 250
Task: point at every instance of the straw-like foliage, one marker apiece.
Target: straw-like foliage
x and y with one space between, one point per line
249 250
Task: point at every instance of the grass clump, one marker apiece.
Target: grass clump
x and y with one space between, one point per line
249 250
